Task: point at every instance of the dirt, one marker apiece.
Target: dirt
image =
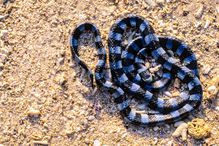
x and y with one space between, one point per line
43 100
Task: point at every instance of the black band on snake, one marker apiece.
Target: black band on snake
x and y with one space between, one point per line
130 75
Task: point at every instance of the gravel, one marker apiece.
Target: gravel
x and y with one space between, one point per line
38 71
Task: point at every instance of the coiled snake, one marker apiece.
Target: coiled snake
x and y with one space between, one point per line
130 76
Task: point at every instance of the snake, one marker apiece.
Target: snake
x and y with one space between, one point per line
131 78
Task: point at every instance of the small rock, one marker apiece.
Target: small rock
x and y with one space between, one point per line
184 134
124 135
147 64
61 61
160 1
207 23
198 24
68 128
33 112
156 128
199 12
41 143
91 118
198 129
169 1
4 34
1 66
217 108
68 131
3 17
151 3
36 134
181 130
212 90
206 69
97 143
213 87
217 8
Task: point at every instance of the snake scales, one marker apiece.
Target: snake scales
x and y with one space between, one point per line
131 77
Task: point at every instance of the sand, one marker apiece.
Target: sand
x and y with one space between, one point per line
43 100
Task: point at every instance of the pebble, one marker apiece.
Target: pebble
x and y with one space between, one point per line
181 130
217 108
198 24
156 128
97 143
1 66
150 3
68 131
206 69
3 17
124 135
212 90
91 118
4 34
33 112
169 1
199 12
217 8
68 128
198 128
207 23
41 143
160 1
61 61
147 64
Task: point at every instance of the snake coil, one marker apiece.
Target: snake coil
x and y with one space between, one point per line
130 76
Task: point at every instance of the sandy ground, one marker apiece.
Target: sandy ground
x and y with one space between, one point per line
38 77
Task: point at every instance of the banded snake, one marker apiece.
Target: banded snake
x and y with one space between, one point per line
131 77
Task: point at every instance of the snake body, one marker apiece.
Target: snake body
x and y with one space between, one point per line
130 76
